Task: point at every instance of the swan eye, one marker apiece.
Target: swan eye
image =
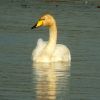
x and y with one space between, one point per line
42 19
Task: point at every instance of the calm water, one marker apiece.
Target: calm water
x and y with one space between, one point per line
78 27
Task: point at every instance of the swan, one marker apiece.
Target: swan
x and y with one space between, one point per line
49 51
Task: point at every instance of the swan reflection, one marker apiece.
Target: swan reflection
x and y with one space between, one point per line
50 78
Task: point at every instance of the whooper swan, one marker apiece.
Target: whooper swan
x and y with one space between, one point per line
50 51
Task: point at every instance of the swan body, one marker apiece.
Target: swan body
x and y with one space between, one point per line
50 51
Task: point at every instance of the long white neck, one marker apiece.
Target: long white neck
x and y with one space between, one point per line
52 38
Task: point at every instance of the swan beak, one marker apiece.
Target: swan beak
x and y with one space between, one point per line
38 24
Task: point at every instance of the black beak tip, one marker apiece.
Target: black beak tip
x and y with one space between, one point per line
32 27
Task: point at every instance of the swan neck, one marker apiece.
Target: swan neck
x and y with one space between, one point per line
52 39
53 34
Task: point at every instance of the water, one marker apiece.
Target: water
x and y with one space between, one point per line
78 27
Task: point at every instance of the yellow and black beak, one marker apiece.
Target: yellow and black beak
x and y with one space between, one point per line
38 24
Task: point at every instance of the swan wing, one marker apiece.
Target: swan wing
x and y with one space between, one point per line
40 45
61 53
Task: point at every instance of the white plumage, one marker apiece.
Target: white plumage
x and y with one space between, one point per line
50 51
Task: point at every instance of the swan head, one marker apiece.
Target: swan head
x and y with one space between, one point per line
45 20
